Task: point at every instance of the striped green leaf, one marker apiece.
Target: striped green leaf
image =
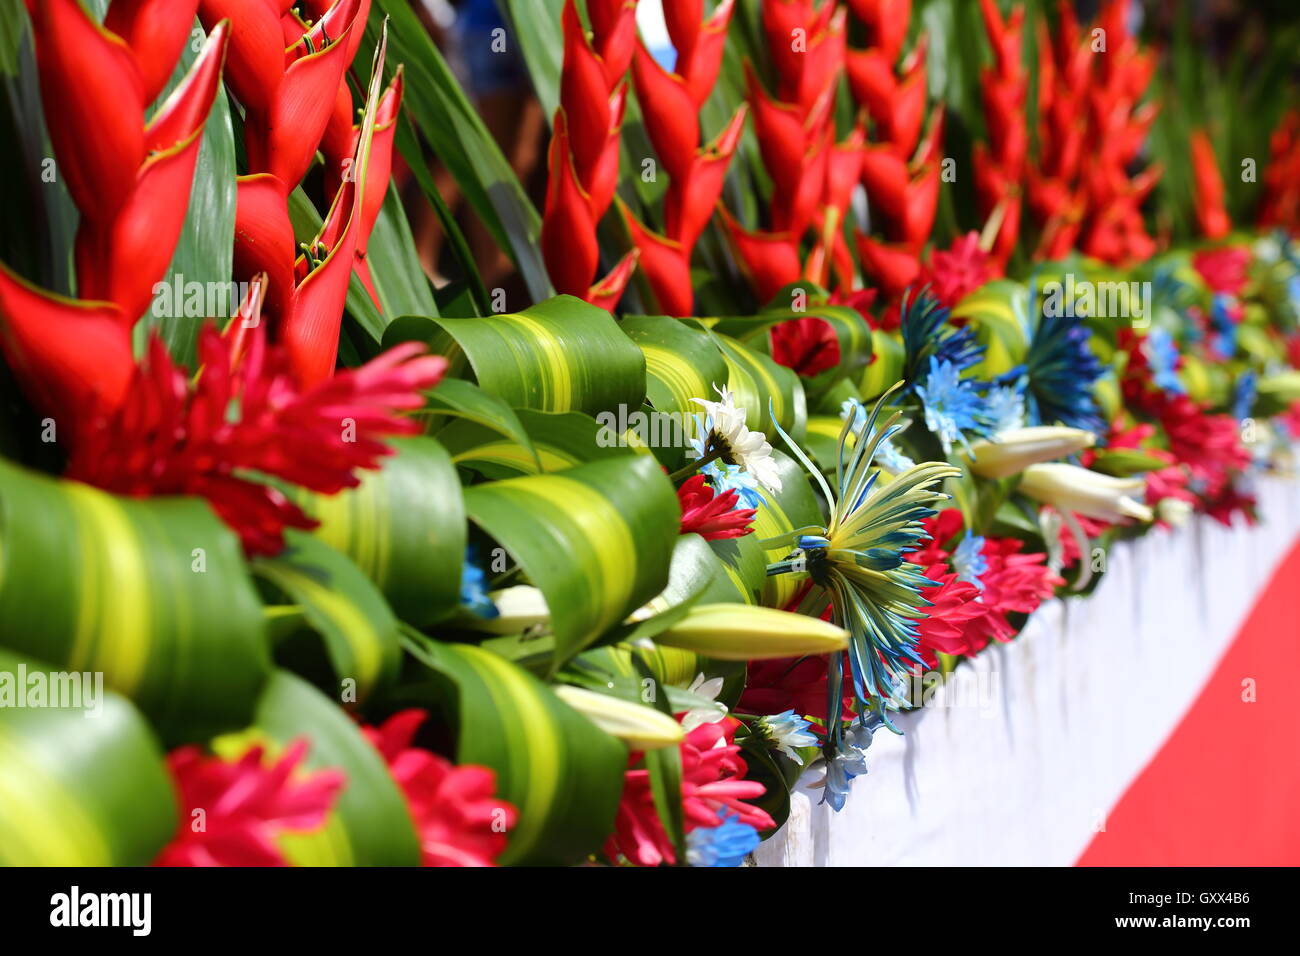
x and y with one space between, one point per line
153 593
596 539
340 604
404 526
78 787
558 356
556 441
562 774
764 388
850 328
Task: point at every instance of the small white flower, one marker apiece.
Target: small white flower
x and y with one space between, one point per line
729 435
709 689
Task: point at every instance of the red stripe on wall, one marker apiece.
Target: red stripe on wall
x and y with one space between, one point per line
1224 789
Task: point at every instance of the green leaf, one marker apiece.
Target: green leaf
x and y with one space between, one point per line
404 526
342 605
596 539
558 356
762 387
538 32
562 774
370 824
460 140
154 593
394 264
204 253
78 788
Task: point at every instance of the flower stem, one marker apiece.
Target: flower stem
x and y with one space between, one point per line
692 467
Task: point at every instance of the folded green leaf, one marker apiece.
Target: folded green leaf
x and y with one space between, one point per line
78 788
154 593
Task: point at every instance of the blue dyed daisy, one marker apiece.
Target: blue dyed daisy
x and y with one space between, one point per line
953 405
1223 335
1243 395
928 336
1060 370
727 844
473 587
1004 409
969 561
786 731
1162 354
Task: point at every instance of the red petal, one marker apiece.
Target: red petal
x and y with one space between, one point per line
73 359
613 28
285 144
770 259
699 61
584 94
671 116
256 60
568 237
666 266
156 31
264 241
781 137
894 268
690 201
609 290
94 105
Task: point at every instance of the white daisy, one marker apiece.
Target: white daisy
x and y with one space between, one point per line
734 443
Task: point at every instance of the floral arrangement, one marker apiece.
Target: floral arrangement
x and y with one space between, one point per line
829 371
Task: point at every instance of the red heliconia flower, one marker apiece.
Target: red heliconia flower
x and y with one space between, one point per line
245 805
893 267
459 820
1280 206
710 515
1223 269
130 180
1210 210
582 162
770 260
72 359
954 273
886 23
174 437
712 780
808 345
666 264
896 104
156 32
286 74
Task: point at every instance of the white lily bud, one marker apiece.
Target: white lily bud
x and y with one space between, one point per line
521 607
1017 449
641 727
1174 511
1090 493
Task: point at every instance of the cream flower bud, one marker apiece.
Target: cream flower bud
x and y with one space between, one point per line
1017 449
1089 493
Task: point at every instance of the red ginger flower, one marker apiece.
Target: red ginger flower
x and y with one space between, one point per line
171 438
960 270
1209 445
808 345
245 804
1224 269
712 516
712 769
793 683
459 821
